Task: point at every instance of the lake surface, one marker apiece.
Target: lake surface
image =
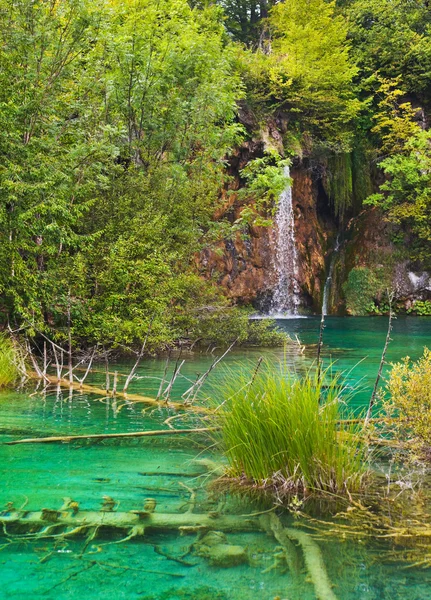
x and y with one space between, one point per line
130 471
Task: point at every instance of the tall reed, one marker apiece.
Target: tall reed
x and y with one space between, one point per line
8 362
283 432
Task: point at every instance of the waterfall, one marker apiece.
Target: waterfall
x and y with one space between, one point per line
328 282
285 299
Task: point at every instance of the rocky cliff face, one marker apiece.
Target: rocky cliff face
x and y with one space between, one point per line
244 265
367 244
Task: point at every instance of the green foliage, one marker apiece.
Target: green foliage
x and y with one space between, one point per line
361 174
364 288
340 183
421 308
115 123
406 195
222 324
8 362
309 64
408 406
391 37
304 69
266 179
394 118
281 432
348 180
391 46
244 18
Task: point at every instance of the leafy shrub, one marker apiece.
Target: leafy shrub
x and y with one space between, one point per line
409 401
282 433
223 325
8 366
421 308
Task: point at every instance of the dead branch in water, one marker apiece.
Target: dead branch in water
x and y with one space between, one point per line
382 360
194 389
177 369
138 359
162 382
319 346
312 555
81 381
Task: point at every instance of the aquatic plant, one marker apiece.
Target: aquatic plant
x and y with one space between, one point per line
8 362
282 433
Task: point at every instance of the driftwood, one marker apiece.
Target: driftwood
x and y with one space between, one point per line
104 436
90 362
178 366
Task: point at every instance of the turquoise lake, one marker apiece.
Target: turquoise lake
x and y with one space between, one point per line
129 471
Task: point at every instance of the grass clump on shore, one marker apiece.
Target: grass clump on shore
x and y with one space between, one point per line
281 433
8 362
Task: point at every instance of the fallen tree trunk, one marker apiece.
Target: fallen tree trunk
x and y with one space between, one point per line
312 555
57 524
103 436
187 522
136 398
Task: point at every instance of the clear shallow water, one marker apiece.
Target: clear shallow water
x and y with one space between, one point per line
132 470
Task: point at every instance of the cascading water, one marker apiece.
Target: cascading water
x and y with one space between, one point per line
328 282
285 300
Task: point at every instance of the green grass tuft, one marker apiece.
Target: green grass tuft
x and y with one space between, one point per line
281 432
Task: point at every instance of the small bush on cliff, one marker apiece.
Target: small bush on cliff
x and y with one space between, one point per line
409 402
421 308
281 433
363 288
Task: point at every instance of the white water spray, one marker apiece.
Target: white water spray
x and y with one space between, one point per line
285 300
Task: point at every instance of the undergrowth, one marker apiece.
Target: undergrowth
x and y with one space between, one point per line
8 363
408 403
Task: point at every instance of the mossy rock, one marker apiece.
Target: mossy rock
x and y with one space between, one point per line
214 547
227 555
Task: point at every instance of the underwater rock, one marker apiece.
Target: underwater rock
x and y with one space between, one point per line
215 548
227 555
213 538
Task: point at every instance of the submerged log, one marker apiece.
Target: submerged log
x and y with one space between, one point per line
103 436
187 522
58 524
312 555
